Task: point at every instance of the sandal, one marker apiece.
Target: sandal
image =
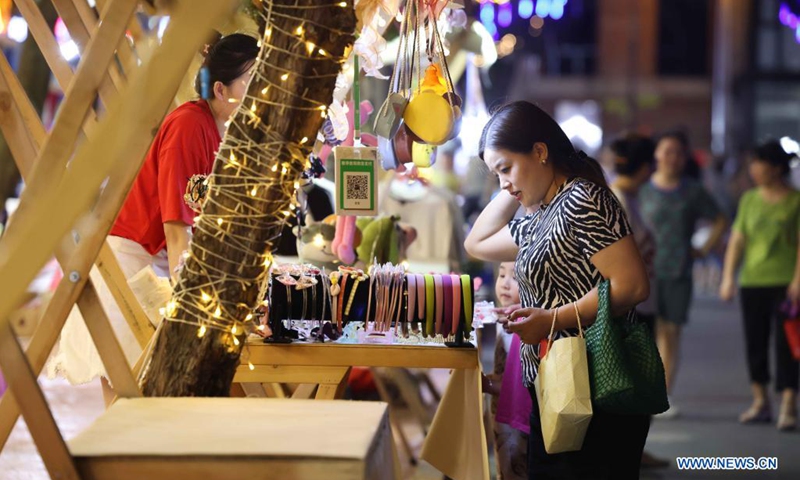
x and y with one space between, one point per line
756 415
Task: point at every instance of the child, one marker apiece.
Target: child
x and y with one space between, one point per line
513 402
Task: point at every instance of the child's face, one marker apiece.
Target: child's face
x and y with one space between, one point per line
506 288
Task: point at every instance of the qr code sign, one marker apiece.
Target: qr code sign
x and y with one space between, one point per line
356 190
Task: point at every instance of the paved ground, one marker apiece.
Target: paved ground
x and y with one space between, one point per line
712 390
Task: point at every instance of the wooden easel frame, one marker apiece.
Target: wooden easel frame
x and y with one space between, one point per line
114 151
322 371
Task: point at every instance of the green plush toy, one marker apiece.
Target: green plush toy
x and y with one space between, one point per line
379 239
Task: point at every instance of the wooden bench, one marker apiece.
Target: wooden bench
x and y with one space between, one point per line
215 438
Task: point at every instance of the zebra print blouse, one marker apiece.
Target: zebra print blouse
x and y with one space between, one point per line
555 245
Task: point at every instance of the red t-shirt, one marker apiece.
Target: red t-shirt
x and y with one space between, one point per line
185 145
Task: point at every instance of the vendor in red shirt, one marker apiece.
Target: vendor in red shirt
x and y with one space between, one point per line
155 215
154 226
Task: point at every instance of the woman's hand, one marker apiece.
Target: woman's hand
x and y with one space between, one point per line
533 325
727 290
502 313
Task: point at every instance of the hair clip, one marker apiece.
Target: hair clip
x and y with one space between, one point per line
286 279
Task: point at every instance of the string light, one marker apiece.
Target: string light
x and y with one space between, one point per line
251 366
249 158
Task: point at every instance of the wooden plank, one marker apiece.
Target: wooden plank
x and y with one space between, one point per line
125 52
332 391
42 426
44 338
18 117
120 143
290 374
127 302
170 468
46 41
407 356
82 30
117 368
48 45
21 112
123 138
304 391
78 99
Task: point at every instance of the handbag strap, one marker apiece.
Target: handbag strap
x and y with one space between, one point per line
578 317
552 328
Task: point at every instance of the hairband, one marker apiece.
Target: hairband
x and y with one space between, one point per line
420 296
325 292
305 305
438 288
456 280
335 289
447 295
341 301
466 291
353 290
429 305
313 302
412 296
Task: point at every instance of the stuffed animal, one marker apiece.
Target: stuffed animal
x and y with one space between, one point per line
315 242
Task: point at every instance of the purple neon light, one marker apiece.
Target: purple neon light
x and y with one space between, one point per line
505 15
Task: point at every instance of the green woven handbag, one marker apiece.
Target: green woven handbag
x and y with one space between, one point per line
625 370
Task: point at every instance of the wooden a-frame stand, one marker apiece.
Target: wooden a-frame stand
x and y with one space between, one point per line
68 203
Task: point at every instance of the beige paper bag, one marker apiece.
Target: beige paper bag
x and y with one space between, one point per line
563 393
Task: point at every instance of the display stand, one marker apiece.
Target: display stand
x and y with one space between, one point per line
458 422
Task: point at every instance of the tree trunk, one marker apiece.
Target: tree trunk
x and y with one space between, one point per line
34 75
197 348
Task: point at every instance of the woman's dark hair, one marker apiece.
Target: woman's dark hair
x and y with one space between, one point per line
517 126
228 59
632 152
772 152
692 168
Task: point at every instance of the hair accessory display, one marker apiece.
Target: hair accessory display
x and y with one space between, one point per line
383 306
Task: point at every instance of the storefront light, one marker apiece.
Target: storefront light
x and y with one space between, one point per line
17 29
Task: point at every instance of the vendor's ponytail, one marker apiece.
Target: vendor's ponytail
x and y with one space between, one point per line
225 60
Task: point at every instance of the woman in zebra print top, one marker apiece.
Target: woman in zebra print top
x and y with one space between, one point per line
578 235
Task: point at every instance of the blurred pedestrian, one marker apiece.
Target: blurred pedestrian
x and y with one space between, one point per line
632 161
764 241
672 204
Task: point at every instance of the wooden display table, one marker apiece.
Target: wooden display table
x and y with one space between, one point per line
456 441
243 438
